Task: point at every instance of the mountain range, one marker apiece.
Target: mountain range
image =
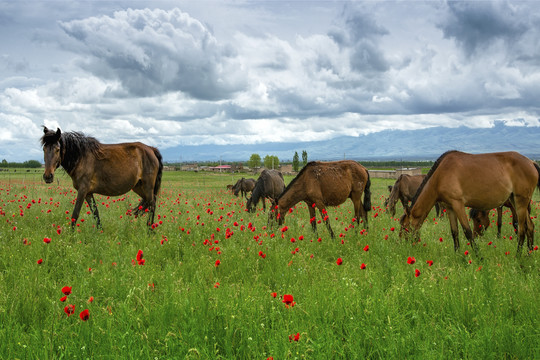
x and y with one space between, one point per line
424 144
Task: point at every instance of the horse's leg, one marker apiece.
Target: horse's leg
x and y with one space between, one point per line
462 218
452 219
77 209
515 217
437 209
312 217
93 206
322 210
524 222
499 221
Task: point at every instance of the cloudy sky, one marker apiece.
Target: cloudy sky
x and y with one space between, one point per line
191 72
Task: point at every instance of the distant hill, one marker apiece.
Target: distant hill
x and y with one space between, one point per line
425 144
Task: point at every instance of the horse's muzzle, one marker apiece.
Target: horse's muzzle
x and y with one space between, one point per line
48 178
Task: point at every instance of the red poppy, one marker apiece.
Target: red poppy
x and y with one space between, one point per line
366 248
288 300
411 260
363 266
66 290
466 252
69 309
91 299
392 228
294 337
429 262
40 261
46 240
339 261
84 315
139 255
274 294
218 262
63 298
216 285
416 273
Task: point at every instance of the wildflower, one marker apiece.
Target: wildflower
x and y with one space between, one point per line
429 262
139 255
40 261
288 300
416 273
84 315
392 228
69 309
63 298
91 299
466 252
411 260
66 290
366 248
46 240
294 337
217 263
362 266
339 261
274 294
216 285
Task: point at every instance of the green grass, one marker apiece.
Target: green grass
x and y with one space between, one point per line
171 307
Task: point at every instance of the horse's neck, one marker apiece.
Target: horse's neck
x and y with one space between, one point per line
70 158
424 203
293 196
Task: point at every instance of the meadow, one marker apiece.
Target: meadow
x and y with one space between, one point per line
212 281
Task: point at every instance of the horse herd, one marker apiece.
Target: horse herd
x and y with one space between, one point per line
455 181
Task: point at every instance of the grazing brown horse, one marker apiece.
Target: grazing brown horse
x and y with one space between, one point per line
483 181
404 190
269 185
328 184
243 186
481 222
106 169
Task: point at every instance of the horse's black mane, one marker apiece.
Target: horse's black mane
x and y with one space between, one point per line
430 172
309 164
73 145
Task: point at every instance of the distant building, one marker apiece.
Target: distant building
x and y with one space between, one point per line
394 174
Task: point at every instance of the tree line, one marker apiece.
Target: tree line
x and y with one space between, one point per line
32 164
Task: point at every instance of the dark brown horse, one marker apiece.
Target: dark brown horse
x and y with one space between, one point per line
269 185
328 184
243 186
483 181
481 222
404 190
106 169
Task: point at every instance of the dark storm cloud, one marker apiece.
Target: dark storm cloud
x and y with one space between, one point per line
153 52
477 25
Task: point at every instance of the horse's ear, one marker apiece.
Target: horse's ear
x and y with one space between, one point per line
58 134
45 130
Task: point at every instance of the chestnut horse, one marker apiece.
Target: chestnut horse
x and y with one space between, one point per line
404 190
106 169
484 182
243 186
269 185
324 184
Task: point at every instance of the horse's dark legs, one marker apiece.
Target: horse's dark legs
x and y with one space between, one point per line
454 229
326 221
77 209
312 218
93 206
525 226
462 217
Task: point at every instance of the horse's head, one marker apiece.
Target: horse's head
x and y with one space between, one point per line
51 152
408 229
250 205
281 212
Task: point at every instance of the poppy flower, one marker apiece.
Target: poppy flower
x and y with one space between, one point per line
411 260
139 255
84 315
294 337
69 309
40 261
339 261
416 273
46 240
429 262
66 290
288 300
91 299
63 298
366 248
217 263
363 266
466 252
274 294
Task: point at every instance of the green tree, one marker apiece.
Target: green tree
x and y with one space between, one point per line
295 161
304 157
271 162
254 161
33 164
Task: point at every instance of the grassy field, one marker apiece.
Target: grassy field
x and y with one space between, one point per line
210 281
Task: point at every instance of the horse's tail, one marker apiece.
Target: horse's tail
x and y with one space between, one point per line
157 184
367 194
